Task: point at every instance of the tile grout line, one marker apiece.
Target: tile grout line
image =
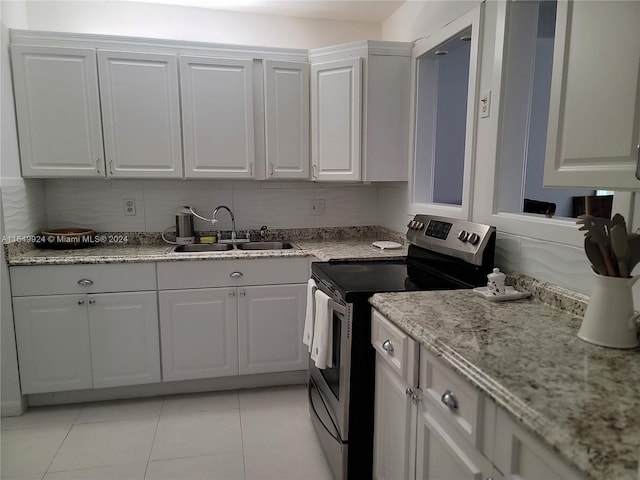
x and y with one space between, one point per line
153 441
244 463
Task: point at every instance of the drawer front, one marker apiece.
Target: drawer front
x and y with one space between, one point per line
395 348
455 398
230 273
71 279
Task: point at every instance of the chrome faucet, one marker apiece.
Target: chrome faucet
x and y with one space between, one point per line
214 220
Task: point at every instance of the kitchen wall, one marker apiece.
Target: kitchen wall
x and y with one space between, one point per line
561 264
99 203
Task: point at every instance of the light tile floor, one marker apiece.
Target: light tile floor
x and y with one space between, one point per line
246 434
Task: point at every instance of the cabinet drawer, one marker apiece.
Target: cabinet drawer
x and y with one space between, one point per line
222 273
99 278
395 347
464 409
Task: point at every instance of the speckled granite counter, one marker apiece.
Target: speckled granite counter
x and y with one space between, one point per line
582 400
127 253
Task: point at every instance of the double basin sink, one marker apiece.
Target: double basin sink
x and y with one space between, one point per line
223 247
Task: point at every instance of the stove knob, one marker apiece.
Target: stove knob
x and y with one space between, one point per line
463 236
409 224
474 239
420 225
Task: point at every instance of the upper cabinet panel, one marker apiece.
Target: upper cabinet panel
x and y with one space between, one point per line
141 114
594 117
218 120
336 92
58 111
286 87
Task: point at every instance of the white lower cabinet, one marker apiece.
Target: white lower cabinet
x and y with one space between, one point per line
73 342
124 342
52 336
441 427
199 333
395 440
270 327
219 319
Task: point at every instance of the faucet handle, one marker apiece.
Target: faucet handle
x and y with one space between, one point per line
263 232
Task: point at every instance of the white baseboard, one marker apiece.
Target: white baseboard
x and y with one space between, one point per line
168 388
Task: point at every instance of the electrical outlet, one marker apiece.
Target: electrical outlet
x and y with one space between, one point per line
129 207
317 207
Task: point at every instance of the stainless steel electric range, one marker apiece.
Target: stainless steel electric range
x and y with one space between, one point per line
444 254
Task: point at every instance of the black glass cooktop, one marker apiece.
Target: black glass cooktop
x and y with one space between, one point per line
357 280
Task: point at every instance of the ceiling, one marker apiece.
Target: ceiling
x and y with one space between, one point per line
373 11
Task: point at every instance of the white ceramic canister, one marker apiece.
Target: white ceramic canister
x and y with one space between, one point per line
495 282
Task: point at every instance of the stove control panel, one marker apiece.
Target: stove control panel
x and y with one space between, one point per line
451 236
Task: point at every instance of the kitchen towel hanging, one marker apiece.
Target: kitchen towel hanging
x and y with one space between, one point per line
309 318
322 346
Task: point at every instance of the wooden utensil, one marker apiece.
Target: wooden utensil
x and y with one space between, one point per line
620 248
595 231
595 257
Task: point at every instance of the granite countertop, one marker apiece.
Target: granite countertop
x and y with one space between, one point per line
129 253
580 399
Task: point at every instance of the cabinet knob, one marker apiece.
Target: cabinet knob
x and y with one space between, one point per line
236 275
243 292
80 302
85 282
450 400
409 392
232 293
387 346
92 302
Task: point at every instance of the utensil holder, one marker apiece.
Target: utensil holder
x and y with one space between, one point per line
610 320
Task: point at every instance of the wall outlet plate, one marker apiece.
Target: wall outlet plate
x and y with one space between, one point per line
317 207
129 207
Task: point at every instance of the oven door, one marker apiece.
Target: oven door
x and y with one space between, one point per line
333 382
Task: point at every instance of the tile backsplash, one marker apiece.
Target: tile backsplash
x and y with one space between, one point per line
99 204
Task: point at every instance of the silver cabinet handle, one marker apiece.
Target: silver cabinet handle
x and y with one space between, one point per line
415 398
111 166
243 293
388 346
251 169
92 302
85 282
638 162
409 392
80 302
271 168
236 275
450 400
232 293
313 171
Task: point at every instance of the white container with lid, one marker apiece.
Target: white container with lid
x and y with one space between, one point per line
495 282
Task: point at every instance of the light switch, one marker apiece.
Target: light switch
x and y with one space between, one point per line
485 104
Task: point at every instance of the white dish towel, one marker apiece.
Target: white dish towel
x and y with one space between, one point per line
309 319
322 346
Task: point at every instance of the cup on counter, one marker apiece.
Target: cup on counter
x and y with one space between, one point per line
495 282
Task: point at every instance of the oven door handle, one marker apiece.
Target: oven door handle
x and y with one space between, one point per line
336 307
315 412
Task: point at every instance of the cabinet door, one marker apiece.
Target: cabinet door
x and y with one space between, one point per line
124 338
270 325
336 109
58 111
52 335
441 454
217 117
199 333
286 89
141 114
394 426
594 117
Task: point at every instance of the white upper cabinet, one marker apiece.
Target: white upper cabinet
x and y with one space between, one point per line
360 97
217 116
336 92
594 119
141 114
58 112
286 90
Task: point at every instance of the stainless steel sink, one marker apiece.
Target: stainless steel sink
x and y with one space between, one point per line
202 247
267 246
